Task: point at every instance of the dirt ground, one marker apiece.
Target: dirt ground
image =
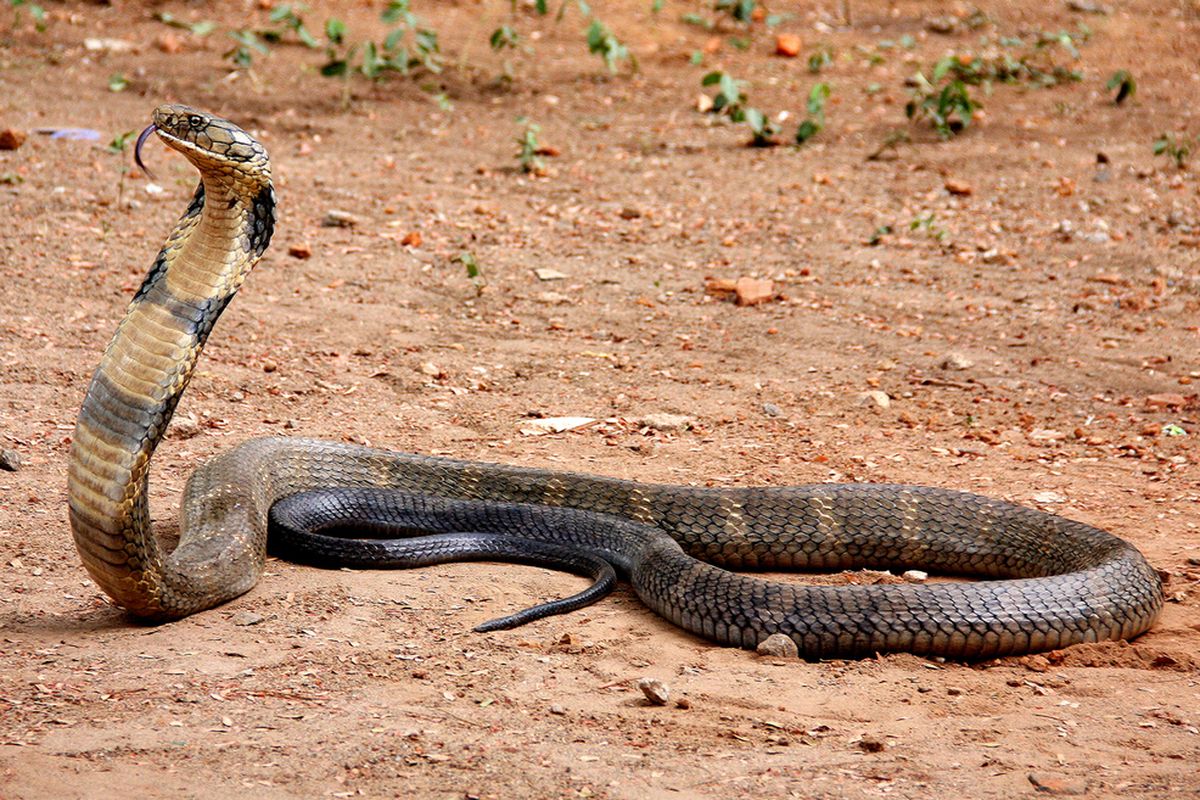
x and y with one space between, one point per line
1036 340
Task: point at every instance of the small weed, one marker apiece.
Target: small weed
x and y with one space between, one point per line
740 10
602 42
821 58
242 54
1175 149
117 82
119 143
474 272
877 236
202 28
290 18
928 224
1122 80
948 108
529 154
697 20
35 11
816 113
730 100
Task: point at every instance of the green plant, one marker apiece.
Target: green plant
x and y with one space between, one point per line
407 46
730 101
949 107
37 12
1122 80
474 272
821 58
601 42
117 82
740 10
118 145
529 154
1177 150
928 223
290 18
202 28
815 123
242 54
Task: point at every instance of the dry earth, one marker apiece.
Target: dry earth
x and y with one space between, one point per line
1065 280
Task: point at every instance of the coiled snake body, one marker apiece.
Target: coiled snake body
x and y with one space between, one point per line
1059 582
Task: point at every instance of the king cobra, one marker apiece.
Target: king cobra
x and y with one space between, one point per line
1051 582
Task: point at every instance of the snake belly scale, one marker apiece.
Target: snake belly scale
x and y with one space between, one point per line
1055 582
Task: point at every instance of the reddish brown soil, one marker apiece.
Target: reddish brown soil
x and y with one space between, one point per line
372 683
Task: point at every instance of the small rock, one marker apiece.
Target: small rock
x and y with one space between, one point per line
956 361
547 274
655 690
11 138
874 398
558 710
245 618
666 422
915 576
683 703
954 691
777 645
302 251
961 188
1088 7
788 45
943 24
168 43
107 45
184 427
336 218
1166 400
1048 497
431 369
704 103
10 460
772 410
870 744
1044 783
752 291
269 366
629 212
411 239
552 298
992 256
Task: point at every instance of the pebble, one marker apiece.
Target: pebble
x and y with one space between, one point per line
1048 497
245 618
956 361
10 460
772 410
777 645
336 218
11 138
657 692
954 691
958 187
752 291
302 250
915 576
683 703
558 710
1049 785
788 44
944 24
875 398
547 274
666 422
870 744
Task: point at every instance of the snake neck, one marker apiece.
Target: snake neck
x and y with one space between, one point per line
141 377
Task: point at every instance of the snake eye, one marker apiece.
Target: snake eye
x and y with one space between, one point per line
196 121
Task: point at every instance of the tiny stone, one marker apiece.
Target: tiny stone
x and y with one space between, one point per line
11 138
1048 785
547 274
244 618
777 645
557 709
302 250
630 213
915 576
958 187
10 460
752 291
944 24
875 398
683 703
666 422
336 218
655 690
870 744
771 410
954 691
956 361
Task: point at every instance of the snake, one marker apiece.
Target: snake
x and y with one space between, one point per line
1021 580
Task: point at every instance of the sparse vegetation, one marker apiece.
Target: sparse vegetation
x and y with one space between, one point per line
1122 80
529 153
1178 149
815 122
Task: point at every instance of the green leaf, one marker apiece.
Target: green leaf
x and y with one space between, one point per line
335 30
117 82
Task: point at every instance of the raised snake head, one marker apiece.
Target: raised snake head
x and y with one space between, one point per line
215 146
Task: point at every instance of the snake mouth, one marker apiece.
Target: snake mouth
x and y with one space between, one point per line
137 148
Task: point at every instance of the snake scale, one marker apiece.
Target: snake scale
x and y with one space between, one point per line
1055 582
